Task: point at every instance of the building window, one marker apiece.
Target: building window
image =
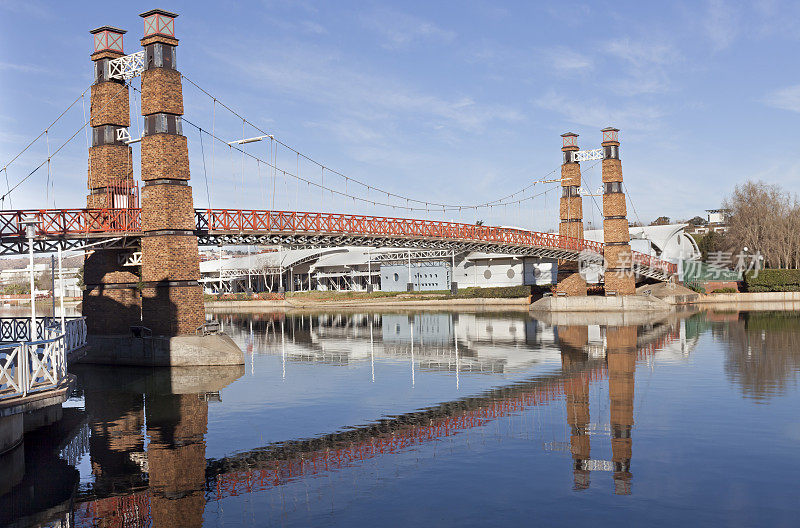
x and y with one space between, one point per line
571 190
487 274
510 273
396 277
612 187
163 124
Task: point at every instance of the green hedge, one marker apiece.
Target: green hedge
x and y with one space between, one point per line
773 280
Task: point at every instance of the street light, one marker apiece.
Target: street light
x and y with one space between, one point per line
250 140
30 233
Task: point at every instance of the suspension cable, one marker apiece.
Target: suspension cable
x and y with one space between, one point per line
345 177
42 164
5 167
323 188
630 199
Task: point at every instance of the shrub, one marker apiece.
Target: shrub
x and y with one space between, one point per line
773 280
725 290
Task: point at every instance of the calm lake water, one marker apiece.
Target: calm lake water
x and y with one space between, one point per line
444 419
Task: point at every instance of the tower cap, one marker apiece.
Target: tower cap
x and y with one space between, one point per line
610 129
158 12
569 134
111 29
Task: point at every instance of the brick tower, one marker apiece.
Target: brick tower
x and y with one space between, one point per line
571 214
172 302
111 300
619 279
621 358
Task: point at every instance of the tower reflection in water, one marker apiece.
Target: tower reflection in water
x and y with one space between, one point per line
148 451
162 484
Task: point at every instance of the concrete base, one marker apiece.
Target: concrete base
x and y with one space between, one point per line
156 351
11 430
12 468
622 303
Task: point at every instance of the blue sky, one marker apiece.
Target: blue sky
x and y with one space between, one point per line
457 102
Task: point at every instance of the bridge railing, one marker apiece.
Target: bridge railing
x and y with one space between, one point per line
31 366
61 222
55 222
243 221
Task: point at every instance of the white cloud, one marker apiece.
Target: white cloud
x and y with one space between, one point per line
401 31
563 60
721 22
643 63
313 75
594 113
785 98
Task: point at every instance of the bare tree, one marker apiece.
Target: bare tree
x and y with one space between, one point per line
766 218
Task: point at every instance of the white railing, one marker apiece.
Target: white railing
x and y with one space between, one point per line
32 366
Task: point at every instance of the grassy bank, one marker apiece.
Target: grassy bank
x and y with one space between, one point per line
513 292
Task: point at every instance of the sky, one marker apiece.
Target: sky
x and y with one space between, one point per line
449 102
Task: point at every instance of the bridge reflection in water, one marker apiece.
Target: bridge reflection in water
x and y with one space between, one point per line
147 447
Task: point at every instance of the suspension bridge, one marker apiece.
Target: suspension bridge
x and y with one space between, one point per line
143 268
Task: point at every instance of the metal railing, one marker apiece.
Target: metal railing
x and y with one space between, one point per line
31 366
65 222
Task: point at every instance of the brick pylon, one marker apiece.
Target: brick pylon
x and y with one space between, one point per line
621 358
619 279
571 214
111 300
172 302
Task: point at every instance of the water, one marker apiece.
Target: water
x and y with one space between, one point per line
446 419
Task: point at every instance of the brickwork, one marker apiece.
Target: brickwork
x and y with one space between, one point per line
111 300
570 208
612 168
570 173
103 267
616 230
159 38
615 224
170 258
105 54
167 309
173 310
614 205
162 92
97 201
617 256
621 283
572 285
165 156
108 163
571 229
110 104
167 206
111 311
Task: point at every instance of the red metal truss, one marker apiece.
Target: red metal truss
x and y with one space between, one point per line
115 222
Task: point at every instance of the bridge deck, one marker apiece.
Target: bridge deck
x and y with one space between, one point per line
73 227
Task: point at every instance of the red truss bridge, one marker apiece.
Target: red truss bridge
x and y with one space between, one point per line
70 228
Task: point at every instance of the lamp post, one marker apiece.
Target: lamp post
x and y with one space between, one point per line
30 233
